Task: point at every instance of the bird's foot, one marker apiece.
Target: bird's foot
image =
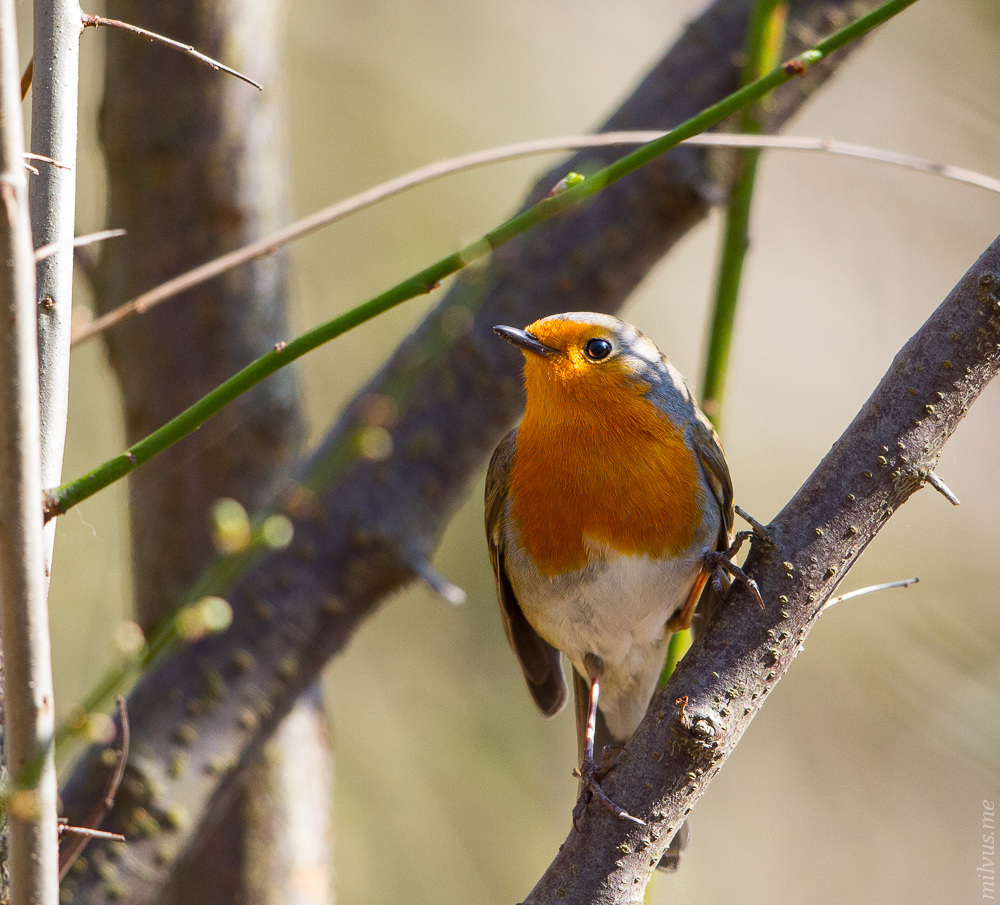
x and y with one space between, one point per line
721 564
590 776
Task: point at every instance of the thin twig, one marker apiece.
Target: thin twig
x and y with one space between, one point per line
871 589
437 582
942 488
96 21
335 212
89 831
88 239
66 830
62 166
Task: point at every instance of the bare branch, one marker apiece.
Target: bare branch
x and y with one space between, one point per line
52 192
363 200
79 242
24 619
96 21
89 830
871 589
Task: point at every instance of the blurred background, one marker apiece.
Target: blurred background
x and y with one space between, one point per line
864 777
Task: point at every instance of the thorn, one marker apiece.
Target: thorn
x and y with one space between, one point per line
758 529
903 583
29 156
941 488
65 830
437 582
47 251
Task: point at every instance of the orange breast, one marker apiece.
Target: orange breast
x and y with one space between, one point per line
599 463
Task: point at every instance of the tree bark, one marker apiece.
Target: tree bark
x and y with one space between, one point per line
28 705
196 163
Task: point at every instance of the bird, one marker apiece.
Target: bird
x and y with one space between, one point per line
608 509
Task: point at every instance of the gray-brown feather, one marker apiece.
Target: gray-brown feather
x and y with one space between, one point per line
540 662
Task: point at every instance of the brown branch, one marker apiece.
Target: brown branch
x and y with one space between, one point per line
88 829
79 242
883 458
90 21
327 216
359 523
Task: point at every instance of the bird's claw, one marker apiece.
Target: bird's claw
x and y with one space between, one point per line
590 774
720 563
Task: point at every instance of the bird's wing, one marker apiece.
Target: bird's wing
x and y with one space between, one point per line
713 464
541 663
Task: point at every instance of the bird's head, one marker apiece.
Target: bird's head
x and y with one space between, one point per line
585 356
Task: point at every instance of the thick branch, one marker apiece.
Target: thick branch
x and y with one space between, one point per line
445 398
54 100
207 187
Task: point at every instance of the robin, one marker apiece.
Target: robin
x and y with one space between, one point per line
607 511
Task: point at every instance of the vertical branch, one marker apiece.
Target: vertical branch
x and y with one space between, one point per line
24 627
765 38
764 43
57 27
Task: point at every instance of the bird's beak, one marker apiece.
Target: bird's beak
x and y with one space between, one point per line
525 341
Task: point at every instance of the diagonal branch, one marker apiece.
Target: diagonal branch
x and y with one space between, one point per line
327 216
200 714
90 21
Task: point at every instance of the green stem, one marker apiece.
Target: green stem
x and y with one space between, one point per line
764 41
64 497
765 37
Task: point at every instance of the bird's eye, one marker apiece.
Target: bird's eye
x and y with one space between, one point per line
597 349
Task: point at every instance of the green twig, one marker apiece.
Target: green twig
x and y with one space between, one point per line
765 38
764 41
62 498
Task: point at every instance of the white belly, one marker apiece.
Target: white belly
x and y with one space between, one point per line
617 607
